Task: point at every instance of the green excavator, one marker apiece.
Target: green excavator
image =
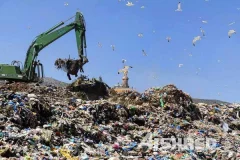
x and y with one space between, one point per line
32 71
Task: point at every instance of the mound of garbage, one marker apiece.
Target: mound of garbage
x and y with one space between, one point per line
90 89
47 122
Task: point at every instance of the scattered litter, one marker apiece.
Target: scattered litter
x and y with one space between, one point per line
65 4
204 22
231 32
198 38
180 65
55 123
142 7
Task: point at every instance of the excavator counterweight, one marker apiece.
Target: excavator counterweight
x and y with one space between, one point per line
32 71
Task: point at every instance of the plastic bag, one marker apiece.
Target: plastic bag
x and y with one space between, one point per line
225 127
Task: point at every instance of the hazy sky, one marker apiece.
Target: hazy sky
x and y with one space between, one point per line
215 57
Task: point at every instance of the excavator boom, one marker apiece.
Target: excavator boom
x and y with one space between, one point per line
32 70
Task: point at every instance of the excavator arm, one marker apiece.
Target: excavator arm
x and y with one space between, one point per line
14 73
52 35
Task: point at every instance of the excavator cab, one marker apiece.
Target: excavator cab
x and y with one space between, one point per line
10 72
14 72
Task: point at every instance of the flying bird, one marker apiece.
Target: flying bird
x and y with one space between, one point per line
99 45
127 67
180 65
129 4
65 4
231 32
140 35
125 70
154 77
179 9
196 39
168 39
144 53
204 22
124 60
202 31
113 47
231 23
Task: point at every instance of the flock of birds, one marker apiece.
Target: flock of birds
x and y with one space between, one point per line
179 9
195 39
168 38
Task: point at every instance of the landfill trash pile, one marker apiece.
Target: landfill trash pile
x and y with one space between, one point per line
210 101
89 89
48 122
15 86
168 97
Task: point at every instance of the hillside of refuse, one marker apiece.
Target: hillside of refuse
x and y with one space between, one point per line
52 81
50 122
